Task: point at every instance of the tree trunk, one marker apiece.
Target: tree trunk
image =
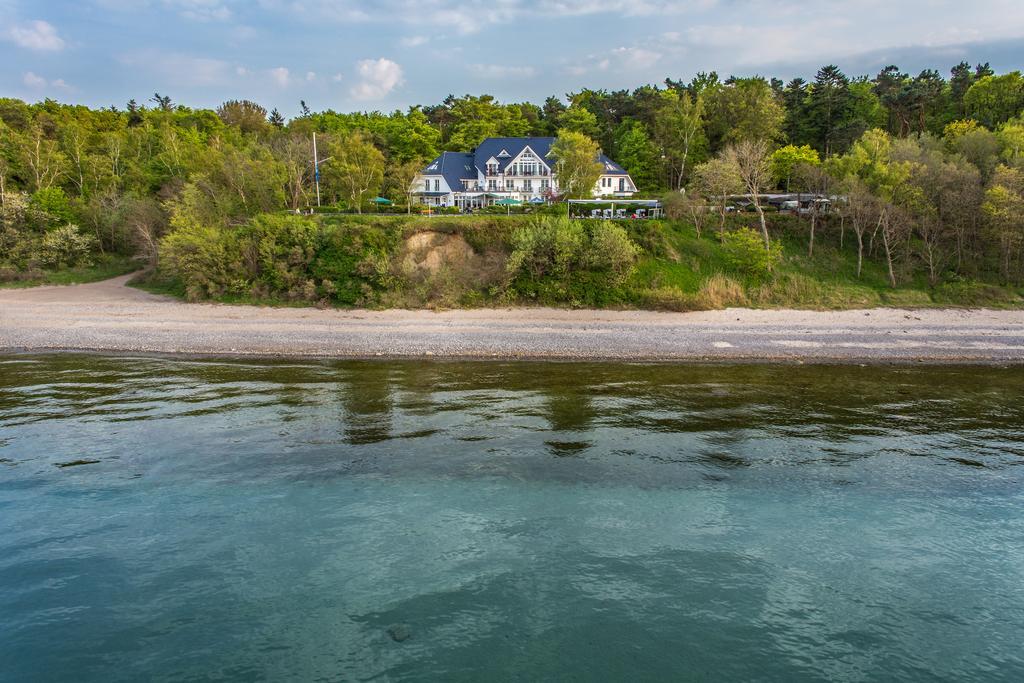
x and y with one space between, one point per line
814 220
888 253
860 250
764 225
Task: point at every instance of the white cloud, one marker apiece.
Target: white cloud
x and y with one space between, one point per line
499 71
378 77
414 41
200 10
468 16
635 58
36 35
281 76
37 82
337 78
310 76
181 71
33 81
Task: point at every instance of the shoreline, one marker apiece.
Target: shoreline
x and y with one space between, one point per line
108 317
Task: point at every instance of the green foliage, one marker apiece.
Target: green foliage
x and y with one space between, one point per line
576 163
66 247
993 100
638 154
52 205
785 161
571 261
745 253
134 177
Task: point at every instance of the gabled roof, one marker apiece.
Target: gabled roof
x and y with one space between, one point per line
493 147
459 166
454 167
610 167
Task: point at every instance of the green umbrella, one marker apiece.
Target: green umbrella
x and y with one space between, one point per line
508 203
381 200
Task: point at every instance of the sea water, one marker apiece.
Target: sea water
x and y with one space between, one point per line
228 520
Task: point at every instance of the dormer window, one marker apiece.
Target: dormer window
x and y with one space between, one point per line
504 154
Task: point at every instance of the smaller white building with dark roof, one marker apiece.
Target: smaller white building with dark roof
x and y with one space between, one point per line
506 168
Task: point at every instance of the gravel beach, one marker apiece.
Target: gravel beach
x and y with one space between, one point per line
110 317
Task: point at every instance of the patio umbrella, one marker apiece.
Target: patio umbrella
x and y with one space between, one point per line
381 201
508 203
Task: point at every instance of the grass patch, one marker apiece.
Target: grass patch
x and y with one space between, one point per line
104 268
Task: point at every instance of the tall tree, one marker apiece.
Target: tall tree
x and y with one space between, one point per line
576 163
829 107
356 169
679 132
638 154
994 100
717 179
750 158
744 109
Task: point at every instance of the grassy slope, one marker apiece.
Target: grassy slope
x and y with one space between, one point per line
675 271
105 268
826 281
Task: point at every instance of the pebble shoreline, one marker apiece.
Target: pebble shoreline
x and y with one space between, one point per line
110 317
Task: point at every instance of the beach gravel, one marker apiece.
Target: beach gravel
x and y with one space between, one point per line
109 316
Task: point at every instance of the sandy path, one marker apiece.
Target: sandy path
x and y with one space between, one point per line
108 316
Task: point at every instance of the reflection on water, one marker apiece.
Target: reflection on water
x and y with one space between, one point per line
258 520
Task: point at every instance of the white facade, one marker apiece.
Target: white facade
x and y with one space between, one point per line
525 175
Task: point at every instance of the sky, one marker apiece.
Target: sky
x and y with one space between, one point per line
351 55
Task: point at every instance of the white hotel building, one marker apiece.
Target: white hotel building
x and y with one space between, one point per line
506 168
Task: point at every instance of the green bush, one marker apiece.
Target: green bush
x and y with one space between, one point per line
277 251
745 252
204 259
66 247
52 207
547 246
611 250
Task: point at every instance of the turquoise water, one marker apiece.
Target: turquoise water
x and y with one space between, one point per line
487 521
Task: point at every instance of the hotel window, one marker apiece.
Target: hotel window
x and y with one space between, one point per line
426 185
437 185
622 184
509 184
528 185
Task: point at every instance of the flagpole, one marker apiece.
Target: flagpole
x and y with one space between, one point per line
316 171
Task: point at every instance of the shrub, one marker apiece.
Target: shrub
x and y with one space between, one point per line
547 246
611 250
205 260
277 250
745 253
66 247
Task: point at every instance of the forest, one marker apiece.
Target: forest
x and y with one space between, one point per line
926 173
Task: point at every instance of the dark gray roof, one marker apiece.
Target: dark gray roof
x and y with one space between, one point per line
492 147
454 166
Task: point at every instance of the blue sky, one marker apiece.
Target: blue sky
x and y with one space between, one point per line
349 55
